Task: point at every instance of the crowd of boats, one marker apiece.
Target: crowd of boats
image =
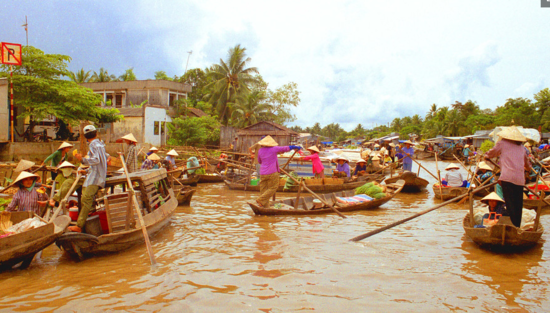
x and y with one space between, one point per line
133 206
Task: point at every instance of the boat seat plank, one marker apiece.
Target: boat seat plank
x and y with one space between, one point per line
119 212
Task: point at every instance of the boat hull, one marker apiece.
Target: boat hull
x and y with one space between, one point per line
413 183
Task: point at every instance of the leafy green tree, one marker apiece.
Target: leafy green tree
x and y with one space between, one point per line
542 104
128 75
41 91
103 76
80 76
161 75
358 131
230 81
432 112
198 80
316 129
517 111
251 111
396 124
194 131
281 101
486 146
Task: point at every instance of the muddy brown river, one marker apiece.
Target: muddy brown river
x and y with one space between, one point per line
216 256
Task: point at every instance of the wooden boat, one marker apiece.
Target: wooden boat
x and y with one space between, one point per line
315 188
533 203
306 206
453 192
423 155
502 235
183 194
412 181
156 200
21 247
210 178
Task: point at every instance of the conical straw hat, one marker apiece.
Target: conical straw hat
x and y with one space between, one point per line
527 144
130 137
172 153
512 133
22 176
24 165
376 145
492 196
360 161
65 145
313 148
392 145
484 166
374 158
65 164
451 166
154 157
409 142
153 149
341 158
268 141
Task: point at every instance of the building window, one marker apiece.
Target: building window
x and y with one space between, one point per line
172 99
109 100
118 101
157 126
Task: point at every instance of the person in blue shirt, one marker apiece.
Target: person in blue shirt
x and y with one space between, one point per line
466 152
342 167
408 152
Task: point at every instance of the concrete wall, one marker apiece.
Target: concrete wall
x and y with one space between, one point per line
153 115
4 110
130 124
38 151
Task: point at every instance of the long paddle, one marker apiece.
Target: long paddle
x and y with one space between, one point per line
464 166
48 210
438 177
288 161
64 200
381 229
314 194
138 211
415 161
471 180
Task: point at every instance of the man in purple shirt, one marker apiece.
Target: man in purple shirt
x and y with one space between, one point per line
269 168
513 161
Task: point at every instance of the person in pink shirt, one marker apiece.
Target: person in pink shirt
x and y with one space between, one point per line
318 168
513 161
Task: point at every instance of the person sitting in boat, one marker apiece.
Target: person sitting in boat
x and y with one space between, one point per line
484 172
29 197
453 178
171 158
342 167
269 168
152 150
221 164
376 147
360 168
494 203
387 158
193 163
131 155
67 171
317 165
151 163
97 159
408 153
58 157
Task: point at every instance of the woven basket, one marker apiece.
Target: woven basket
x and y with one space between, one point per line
333 181
313 181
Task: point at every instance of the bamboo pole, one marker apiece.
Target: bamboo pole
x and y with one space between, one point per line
439 177
420 165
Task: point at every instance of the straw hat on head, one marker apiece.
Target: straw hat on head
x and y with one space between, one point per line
377 146
392 145
65 145
409 142
172 153
360 161
65 165
268 141
375 158
512 133
484 166
341 158
466 146
154 157
492 196
24 175
313 148
153 149
451 166
130 137
24 165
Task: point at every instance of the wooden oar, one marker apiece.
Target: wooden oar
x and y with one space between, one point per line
64 200
464 166
471 181
138 211
289 159
48 210
314 194
298 196
381 229
420 165
438 177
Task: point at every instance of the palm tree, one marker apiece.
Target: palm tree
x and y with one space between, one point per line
102 76
80 76
396 124
230 81
433 112
128 75
251 111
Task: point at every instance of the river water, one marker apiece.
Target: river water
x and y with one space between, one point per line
216 256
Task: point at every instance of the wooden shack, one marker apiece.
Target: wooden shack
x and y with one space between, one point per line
248 136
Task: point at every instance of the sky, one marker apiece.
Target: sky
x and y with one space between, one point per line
364 61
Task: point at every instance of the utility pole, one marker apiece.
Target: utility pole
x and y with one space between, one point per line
190 52
26 25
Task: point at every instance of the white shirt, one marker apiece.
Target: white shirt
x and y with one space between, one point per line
454 178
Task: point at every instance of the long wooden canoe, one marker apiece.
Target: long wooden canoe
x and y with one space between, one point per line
156 200
21 247
412 181
453 192
503 235
305 205
183 194
212 178
315 188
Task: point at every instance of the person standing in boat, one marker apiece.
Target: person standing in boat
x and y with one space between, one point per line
513 161
131 155
171 157
58 157
29 197
96 174
408 153
254 154
466 152
317 165
269 168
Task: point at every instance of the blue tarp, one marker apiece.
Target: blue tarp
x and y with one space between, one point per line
327 142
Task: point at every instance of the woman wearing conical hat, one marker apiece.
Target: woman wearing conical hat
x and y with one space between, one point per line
65 179
453 178
59 156
317 165
484 172
29 197
131 154
171 158
513 161
269 168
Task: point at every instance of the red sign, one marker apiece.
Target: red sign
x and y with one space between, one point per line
11 53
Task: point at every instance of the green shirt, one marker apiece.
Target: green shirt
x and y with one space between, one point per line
56 158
